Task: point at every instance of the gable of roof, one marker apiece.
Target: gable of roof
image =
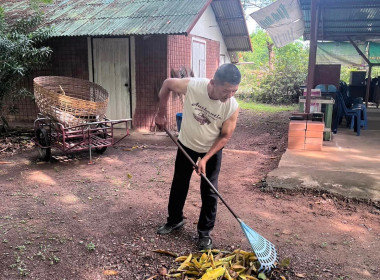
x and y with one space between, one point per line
138 17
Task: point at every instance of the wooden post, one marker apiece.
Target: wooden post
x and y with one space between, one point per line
312 52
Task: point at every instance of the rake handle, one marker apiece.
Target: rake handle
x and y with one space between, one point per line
202 175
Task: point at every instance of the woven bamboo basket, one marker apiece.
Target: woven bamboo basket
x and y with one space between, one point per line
70 101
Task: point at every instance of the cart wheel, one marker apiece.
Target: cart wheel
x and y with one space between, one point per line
104 136
43 140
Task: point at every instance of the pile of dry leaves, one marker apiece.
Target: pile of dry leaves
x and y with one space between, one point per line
218 265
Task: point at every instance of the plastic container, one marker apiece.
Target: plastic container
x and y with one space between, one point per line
314 107
178 117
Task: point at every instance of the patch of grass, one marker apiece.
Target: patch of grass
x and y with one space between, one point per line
54 259
91 246
21 248
265 108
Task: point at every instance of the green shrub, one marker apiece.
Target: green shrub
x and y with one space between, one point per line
282 85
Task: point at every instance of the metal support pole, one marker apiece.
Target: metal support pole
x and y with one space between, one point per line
368 85
312 52
89 144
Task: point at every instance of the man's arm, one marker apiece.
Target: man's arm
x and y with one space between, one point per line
228 128
171 84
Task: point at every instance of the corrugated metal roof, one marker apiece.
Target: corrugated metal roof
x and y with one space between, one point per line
359 19
117 17
231 20
139 17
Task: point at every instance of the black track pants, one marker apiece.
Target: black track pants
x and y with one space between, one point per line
180 187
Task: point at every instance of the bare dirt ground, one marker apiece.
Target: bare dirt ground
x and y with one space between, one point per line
67 219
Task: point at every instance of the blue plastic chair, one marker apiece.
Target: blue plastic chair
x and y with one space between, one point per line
352 116
363 116
331 88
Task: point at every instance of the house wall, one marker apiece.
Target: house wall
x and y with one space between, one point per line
151 71
179 55
207 27
69 58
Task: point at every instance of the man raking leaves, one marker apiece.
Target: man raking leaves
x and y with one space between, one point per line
209 119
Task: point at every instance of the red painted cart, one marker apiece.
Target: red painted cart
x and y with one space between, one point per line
90 136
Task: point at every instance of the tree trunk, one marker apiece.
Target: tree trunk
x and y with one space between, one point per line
271 56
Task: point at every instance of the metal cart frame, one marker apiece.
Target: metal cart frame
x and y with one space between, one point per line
92 135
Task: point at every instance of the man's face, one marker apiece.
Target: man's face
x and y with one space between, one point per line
224 91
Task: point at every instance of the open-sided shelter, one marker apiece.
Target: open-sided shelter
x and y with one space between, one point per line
322 20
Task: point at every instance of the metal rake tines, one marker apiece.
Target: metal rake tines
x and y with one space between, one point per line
264 250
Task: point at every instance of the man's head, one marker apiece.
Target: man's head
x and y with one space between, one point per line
225 82
227 73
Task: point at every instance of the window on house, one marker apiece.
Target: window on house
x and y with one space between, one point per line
199 58
222 59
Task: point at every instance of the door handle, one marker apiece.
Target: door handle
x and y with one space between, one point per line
126 84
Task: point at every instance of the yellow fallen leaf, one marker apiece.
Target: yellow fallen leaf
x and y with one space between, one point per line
212 261
129 176
282 277
203 258
175 275
238 267
300 275
206 266
110 272
196 263
186 263
214 273
227 275
224 260
181 259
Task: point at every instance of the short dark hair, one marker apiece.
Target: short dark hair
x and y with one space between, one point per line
227 73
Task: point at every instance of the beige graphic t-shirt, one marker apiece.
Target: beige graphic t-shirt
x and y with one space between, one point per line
203 117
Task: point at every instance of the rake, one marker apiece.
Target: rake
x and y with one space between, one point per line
264 250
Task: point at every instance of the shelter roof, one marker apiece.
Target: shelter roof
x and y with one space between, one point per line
139 17
338 19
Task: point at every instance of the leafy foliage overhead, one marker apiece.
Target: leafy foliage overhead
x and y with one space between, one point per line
21 49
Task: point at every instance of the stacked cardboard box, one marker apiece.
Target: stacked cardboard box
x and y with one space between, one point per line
305 135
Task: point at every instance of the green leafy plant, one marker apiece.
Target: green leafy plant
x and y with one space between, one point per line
272 75
21 51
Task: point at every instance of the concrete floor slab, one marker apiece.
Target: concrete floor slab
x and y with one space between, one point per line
348 166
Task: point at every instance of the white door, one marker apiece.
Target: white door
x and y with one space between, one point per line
111 71
198 55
